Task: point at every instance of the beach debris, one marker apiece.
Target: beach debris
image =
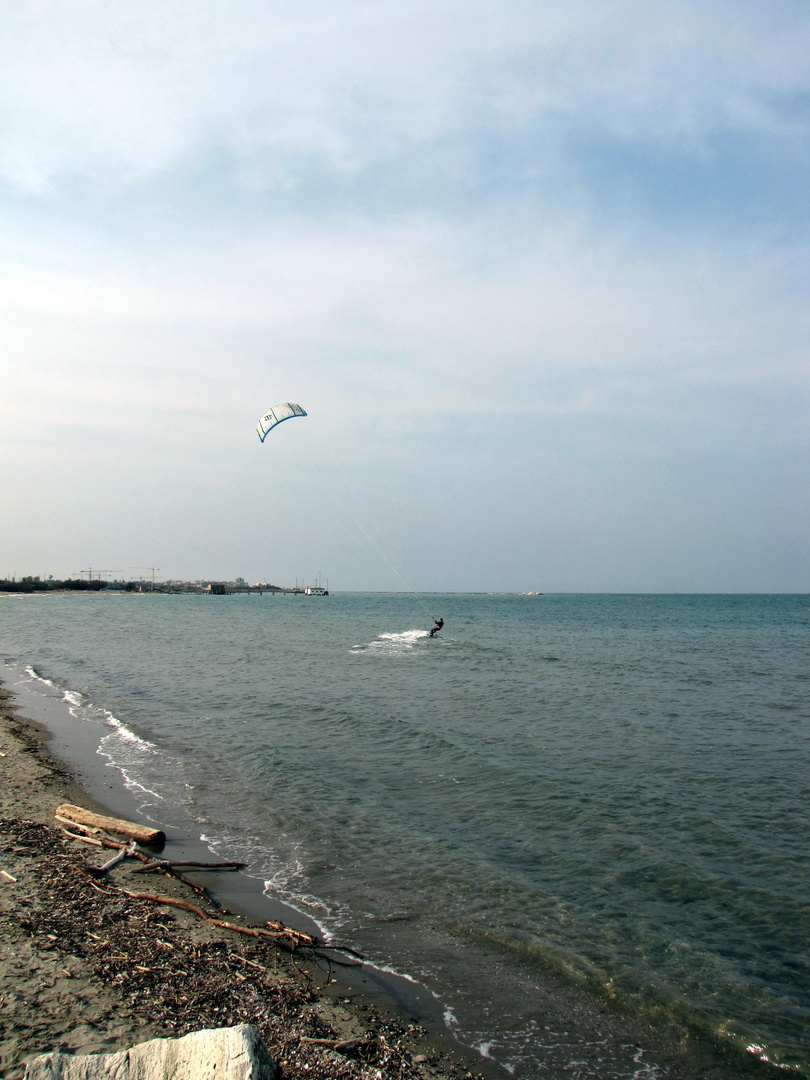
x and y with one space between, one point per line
287 938
101 935
142 833
284 936
235 1053
102 839
6 876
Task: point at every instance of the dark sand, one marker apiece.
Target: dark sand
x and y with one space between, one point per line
86 969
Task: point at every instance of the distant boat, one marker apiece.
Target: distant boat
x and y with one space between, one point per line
315 590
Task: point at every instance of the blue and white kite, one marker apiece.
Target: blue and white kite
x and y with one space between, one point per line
275 416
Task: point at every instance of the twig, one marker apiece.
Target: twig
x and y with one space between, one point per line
86 839
304 974
339 948
344 1045
305 939
250 963
200 890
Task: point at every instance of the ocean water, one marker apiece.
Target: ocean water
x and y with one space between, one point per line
580 824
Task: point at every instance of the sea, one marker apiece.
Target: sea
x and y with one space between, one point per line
569 833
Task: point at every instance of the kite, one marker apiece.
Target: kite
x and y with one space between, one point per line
275 416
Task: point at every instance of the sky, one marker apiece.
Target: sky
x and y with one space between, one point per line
538 273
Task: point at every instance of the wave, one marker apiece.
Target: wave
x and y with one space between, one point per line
393 642
35 675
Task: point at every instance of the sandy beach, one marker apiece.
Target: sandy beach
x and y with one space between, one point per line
86 967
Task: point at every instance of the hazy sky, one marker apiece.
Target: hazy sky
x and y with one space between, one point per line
538 272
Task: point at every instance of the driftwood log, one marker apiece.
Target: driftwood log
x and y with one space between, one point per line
127 828
102 839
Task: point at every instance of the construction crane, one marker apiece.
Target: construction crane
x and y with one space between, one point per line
152 568
98 573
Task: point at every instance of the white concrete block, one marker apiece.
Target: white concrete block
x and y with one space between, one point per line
236 1053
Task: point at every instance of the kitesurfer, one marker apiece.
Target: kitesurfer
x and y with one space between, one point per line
437 627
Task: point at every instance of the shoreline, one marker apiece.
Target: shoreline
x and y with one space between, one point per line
74 748
59 990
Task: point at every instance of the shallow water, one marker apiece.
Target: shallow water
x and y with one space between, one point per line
557 802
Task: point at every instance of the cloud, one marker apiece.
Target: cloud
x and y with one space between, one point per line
120 95
419 316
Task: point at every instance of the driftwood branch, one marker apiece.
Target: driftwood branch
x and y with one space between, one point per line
165 864
200 890
281 935
214 865
84 839
124 853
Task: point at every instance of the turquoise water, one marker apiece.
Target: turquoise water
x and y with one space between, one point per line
560 811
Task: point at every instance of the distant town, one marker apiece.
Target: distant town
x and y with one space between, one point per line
92 583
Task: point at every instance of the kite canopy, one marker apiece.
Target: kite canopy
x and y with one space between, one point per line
275 415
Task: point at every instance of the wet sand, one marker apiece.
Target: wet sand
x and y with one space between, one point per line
86 968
